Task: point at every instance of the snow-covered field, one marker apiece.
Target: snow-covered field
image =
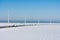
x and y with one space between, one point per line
36 32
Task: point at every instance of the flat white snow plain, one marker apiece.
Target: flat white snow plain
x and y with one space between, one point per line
36 32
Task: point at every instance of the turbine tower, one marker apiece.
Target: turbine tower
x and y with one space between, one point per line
8 16
25 19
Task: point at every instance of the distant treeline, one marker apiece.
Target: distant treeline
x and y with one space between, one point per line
30 21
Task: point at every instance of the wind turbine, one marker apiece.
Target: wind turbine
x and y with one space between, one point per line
50 20
25 20
38 20
8 17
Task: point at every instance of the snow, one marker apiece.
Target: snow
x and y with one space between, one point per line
35 32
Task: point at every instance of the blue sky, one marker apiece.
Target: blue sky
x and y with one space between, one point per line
31 9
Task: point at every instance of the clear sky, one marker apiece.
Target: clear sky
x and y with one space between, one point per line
19 9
